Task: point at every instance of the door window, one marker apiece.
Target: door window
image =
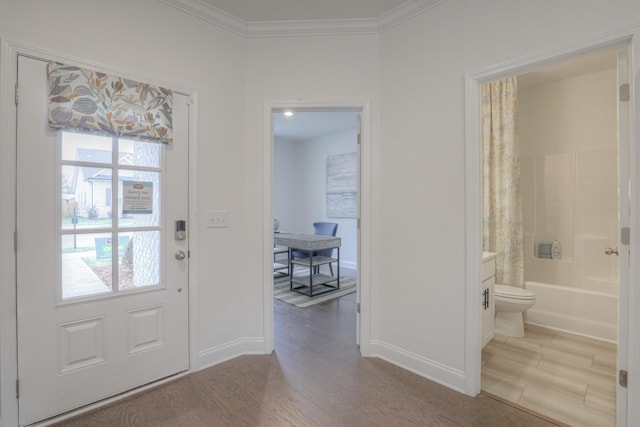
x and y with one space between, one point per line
110 216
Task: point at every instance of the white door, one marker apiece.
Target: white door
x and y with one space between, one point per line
102 298
358 232
624 156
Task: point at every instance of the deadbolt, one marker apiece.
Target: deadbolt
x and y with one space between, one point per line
180 255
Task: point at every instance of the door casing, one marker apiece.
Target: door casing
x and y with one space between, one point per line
365 203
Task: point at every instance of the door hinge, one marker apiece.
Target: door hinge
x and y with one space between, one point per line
358 308
358 223
16 94
625 236
17 388
625 93
622 378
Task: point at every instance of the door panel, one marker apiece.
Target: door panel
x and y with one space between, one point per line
358 229
102 300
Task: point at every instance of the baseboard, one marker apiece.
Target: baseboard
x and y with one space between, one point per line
349 265
222 353
429 369
574 325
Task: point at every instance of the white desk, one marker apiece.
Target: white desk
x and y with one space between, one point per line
310 243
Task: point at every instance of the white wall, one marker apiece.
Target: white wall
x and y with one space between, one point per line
569 181
285 208
420 308
149 39
323 71
307 200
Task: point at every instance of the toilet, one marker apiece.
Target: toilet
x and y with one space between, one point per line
510 304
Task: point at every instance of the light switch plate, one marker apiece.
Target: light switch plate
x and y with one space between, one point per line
217 219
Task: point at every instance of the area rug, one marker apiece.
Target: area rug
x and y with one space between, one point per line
281 291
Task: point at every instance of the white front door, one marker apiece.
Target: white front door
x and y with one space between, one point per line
102 297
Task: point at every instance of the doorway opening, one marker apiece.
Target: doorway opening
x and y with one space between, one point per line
570 175
316 182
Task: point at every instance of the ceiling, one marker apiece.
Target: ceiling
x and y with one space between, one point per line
308 125
276 18
295 10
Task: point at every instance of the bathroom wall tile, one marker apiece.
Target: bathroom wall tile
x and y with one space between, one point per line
527 191
564 409
596 195
555 179
529 249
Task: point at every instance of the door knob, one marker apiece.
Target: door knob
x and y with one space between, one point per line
180 255
611 251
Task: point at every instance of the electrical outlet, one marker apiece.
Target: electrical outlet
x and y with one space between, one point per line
218 219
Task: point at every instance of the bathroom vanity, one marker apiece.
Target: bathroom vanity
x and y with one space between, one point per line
486 295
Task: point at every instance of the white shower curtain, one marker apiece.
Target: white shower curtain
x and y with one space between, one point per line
502 203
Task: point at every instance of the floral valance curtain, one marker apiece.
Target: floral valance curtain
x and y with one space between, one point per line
90 101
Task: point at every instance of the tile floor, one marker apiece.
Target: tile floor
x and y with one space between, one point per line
565 377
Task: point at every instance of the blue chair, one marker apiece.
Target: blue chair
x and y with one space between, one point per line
320 229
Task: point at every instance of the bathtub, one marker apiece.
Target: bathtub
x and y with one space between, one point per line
577 311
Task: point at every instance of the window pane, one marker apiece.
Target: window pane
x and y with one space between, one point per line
86 265
139 153
86 197
140 219
140 260
86 148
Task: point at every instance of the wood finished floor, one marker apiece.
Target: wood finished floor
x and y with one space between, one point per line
316 377
566 377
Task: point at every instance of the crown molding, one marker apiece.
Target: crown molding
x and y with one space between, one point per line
202 10
404 12
211 14
319 27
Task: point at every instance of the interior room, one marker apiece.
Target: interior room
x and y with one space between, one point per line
564 365
414 70
315 184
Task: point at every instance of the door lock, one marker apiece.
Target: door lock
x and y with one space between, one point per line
180 255
181 230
